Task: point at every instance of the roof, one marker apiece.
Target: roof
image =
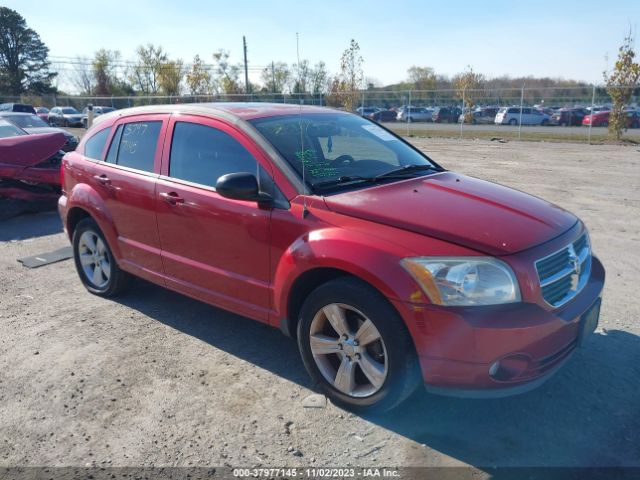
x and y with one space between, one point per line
230 110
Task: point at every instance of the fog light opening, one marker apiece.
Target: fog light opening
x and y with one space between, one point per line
509 368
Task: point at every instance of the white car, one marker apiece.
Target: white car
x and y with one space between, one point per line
512 115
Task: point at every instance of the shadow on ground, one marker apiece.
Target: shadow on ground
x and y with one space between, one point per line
588 414
28 225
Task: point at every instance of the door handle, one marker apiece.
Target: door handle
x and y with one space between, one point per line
102 179
172 198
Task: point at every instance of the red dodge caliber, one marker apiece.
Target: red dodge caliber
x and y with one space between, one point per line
389 270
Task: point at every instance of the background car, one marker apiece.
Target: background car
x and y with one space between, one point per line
97 111
65 117
480 115
601 119
33 124
598 119
512 115
568 116
414 114
362 111
17 107
43 113
446 114
384 116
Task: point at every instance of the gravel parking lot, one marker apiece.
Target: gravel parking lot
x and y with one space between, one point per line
156 379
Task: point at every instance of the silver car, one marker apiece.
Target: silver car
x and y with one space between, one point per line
414 114
512 115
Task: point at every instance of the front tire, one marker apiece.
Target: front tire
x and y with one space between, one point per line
356 347
95 264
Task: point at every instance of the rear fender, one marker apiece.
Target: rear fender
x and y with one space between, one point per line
85 197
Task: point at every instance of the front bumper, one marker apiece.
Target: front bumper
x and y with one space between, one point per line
457 346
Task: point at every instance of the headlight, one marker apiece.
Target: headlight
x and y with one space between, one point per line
464 281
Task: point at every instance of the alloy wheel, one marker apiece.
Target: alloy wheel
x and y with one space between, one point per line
94 259
348 350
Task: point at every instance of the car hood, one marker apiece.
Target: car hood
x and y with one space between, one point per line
474 213
29 150
48 130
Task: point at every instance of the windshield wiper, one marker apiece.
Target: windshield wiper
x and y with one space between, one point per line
342 180
395 173
404 170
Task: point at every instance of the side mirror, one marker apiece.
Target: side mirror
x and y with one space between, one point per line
241 186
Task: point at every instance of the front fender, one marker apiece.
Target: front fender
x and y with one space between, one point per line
372 259
85 197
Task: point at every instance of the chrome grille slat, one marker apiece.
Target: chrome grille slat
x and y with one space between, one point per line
557 273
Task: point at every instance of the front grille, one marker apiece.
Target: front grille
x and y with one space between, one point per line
564 273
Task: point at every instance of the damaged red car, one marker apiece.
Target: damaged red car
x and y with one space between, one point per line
389 270
29 164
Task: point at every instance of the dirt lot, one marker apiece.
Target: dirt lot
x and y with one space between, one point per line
154 378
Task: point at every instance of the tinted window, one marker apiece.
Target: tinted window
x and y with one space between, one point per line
112 154
202 154
95 145
27 121
137 146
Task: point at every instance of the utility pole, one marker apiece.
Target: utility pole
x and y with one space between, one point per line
273 77
246 72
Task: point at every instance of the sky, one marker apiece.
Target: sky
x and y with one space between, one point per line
567 39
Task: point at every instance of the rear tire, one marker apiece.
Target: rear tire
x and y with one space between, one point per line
362 369
95 264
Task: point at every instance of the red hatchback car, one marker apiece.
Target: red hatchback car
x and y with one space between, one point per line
388 269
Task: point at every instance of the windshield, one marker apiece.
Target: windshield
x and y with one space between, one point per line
9 130
27 121
69 110
334 145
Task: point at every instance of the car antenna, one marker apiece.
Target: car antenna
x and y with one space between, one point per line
305 211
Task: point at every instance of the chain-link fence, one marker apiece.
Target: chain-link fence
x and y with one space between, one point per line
553 113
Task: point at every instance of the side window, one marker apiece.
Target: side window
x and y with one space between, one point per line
202 154
112 154
95 145
138 144
526 111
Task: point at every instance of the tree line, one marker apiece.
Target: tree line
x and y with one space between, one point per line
25 68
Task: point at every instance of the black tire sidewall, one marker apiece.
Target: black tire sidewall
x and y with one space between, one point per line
85 225
402 362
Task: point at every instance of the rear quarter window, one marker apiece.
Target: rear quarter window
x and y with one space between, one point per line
136 145
94 146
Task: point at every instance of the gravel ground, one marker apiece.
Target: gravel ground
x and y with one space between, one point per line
156 379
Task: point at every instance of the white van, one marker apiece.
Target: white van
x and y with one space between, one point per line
530 116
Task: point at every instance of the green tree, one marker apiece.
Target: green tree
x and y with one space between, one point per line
198 78
422 78
145 74
468 85
276 77
621 83
24 62
319 78
170 78
351 76
104 71
227 73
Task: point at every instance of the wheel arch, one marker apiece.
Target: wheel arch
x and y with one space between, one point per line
330 254
84 202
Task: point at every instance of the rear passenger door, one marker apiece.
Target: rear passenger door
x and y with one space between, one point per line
213 248
126 180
